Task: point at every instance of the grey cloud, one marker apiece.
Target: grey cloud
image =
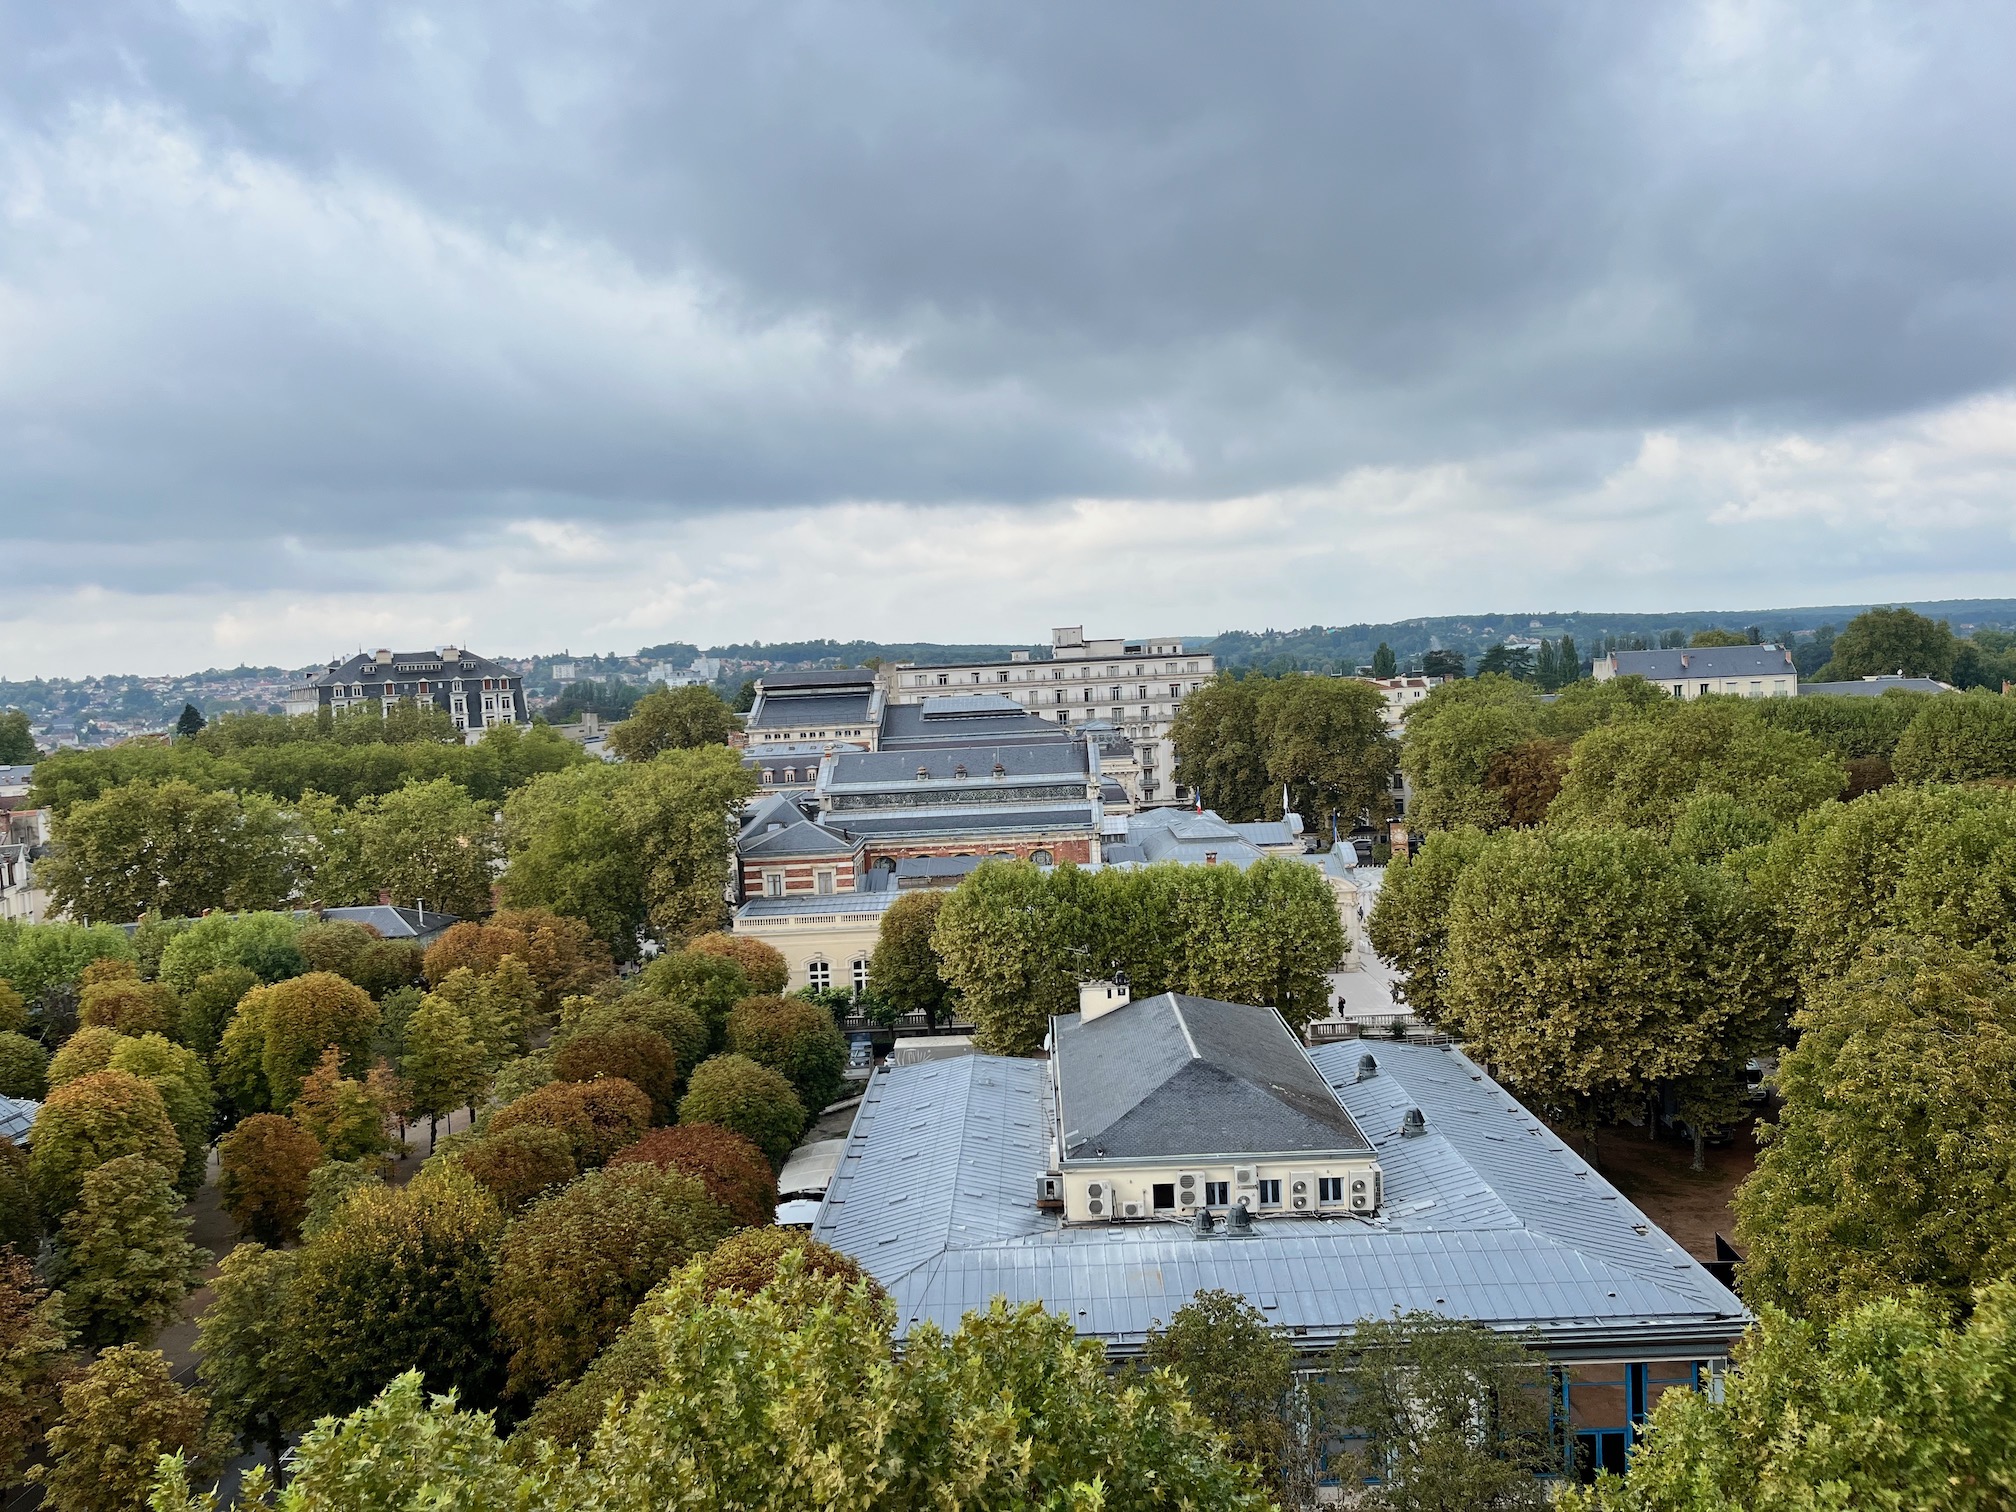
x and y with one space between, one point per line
1124 250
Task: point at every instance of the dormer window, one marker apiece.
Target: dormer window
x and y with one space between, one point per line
959 770
923 774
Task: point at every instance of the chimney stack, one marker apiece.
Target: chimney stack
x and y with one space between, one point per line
1097 999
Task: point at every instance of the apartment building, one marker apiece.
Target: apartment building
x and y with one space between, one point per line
1136 686
1742 671
472 690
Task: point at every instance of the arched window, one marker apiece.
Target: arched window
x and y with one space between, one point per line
886 864
819 974
1042 858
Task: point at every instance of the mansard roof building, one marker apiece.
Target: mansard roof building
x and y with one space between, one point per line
473 691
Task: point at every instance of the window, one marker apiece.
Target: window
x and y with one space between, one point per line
1001 677
1217 1194
860 972
1088 695
1210 858
823 883
1175 690
773 884
1330 1188
1270 1193
1162 1195
819 974
1041 857
943 679
769 775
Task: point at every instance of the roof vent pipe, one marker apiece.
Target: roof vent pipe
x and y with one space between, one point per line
1413 1124
1238 1222
1204 1225
1368 1067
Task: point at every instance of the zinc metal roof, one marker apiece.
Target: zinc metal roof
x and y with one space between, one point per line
797 838
1054 758
1874 687
17 1117
791 713
855 677
794 905
1487 1215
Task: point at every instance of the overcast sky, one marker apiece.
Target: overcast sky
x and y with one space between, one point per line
534 325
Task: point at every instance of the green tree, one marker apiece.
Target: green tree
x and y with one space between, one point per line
431 842
397 1283
266 944
245 1351
445 1065
1409 926
1589 966
1012 1411
24 1067
168 846
13 1010
1452 737
123 1258
129 1006
1891 641
571 853
1641 773
905 972
573 1267
735 1172
264 1166
82 1053
1884 1407
763 964
1888 1169
345 1116
561 954
1006 947
795 1038
1240 1373
34 1356
674 811
207 1006
1719 638
89 1122
20 1212
1220 752
1326 739
599 1118
709 985
119 1418
17 741
736 1093
1515 662
1384 662
178 1075
191 722
1937 864
277 1035
673 719
1451 1415
1958 740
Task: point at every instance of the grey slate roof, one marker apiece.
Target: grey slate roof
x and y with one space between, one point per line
16 776
911 726
1875 687
804 838
365 665
1192 839
1704 663
960 821
790 713
1173 1076
852 677
1051 759
394 921
1488 1216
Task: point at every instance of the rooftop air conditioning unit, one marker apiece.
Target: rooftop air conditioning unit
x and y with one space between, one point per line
1097 1195
1130 1209
1245 1176
1361 1196
1302 1190
1189 1189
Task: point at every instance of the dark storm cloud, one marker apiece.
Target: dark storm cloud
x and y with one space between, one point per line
288 270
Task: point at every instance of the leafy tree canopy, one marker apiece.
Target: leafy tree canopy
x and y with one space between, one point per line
1891 641
673 719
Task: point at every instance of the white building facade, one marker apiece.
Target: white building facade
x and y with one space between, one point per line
1135 685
